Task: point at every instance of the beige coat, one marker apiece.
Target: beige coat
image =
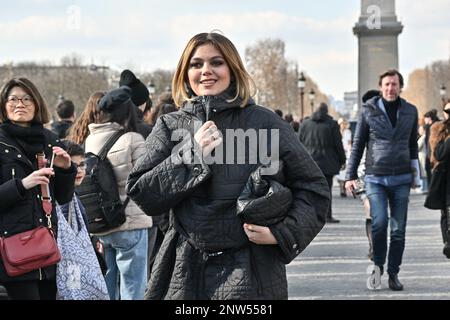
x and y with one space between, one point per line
123 155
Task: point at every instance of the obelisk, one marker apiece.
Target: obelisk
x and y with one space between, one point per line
377 31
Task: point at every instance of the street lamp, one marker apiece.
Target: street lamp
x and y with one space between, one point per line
301 82
443 93
312 96
151 88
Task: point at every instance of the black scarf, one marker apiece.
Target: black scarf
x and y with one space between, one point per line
30 139
391 109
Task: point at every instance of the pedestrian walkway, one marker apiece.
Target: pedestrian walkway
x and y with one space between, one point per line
334 265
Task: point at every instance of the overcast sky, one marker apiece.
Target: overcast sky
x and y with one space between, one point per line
146 35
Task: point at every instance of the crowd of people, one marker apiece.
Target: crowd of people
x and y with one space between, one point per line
203 219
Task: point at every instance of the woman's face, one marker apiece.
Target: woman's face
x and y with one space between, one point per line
20 107
208 72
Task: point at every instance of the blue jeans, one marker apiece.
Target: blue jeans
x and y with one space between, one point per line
126 261
397 197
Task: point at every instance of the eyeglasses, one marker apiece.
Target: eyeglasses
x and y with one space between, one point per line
81 166
14 101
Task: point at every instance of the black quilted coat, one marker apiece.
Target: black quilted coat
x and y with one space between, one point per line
206 254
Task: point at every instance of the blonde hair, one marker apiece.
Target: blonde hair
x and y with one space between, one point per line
245 86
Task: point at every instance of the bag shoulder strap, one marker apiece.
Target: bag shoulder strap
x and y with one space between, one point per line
105 149
109 144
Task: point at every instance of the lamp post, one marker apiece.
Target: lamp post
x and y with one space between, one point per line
151 89
301 82
443 93
312 96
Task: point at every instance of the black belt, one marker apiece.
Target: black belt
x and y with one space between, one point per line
207 255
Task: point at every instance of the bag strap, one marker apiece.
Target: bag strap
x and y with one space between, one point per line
109 144
46 199
105 149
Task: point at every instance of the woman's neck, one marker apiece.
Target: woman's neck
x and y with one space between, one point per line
21 124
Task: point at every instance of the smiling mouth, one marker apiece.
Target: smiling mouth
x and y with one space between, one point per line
208 82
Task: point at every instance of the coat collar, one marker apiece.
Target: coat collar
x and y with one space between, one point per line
104 127
203 106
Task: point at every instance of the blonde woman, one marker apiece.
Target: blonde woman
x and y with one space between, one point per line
209 253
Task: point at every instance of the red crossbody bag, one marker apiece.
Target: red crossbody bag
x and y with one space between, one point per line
32 249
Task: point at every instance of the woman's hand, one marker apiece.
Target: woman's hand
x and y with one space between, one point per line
258 234
37 177
208 137
62 158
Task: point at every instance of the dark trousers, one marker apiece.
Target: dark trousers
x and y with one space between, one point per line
330 184
444 224
31 290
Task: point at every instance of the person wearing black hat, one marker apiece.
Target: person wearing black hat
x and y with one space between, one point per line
140 97
126 246
362 191
370 94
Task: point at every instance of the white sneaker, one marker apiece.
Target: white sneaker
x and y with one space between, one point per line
374 280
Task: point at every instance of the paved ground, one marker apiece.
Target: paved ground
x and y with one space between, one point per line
334 265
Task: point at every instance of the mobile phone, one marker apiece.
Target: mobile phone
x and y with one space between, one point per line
53 158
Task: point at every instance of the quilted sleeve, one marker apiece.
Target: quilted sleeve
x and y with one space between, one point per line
311 198
161 178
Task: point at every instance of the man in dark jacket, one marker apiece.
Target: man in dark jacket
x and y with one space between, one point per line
387 126
66 114
321 136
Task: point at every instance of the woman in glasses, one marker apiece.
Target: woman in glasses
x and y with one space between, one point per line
22 184
440 154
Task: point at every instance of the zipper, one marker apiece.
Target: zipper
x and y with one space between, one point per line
40 274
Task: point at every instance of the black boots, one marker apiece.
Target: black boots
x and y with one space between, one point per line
369 237
445 228
342 189
446 250
332 220
394 283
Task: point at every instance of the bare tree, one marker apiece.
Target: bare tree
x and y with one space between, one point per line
71 79
162 79
423 89
268 67
276 78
